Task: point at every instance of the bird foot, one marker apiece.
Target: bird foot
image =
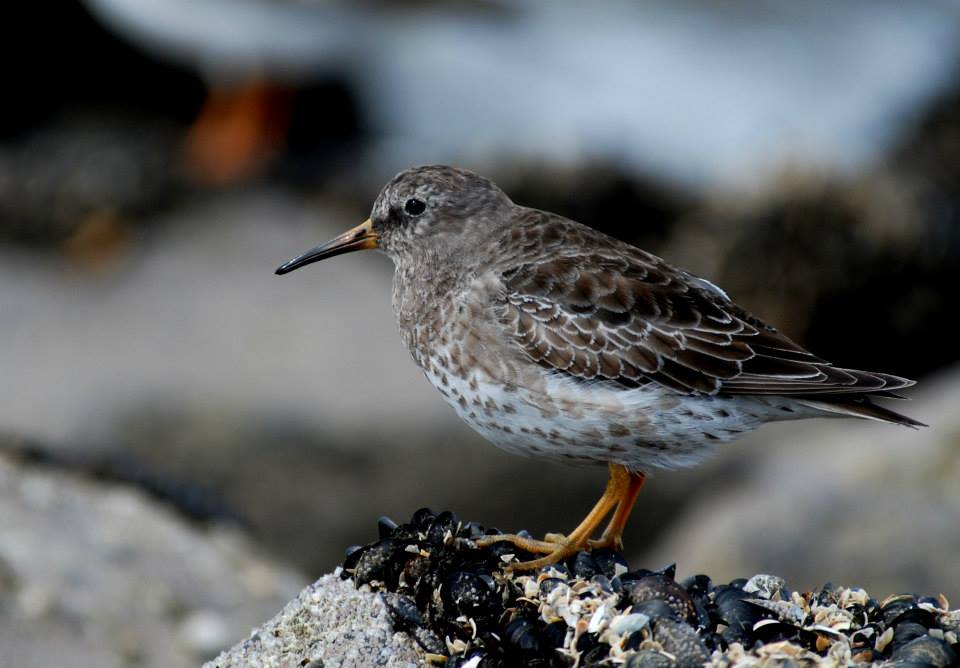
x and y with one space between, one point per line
606 542
555 546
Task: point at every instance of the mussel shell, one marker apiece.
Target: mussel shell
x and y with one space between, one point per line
608 560
739 615
648 658
656 609
927 650
385 526
554 634
680 640
382 562
660 588
422 519
466 593
584 566
443 524
522 636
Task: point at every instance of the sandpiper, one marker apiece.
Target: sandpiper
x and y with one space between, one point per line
555 340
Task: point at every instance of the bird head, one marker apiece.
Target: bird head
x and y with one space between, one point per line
423 209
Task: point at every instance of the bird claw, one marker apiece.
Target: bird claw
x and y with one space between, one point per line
555 546
606 542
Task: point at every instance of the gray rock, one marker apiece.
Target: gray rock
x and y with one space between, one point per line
95 575
330 624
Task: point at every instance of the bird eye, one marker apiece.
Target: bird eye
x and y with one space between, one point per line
414 206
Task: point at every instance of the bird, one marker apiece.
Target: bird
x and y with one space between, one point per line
554 340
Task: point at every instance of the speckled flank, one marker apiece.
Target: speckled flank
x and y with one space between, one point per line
567 421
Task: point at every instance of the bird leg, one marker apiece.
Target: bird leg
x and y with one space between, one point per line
620 494
612 536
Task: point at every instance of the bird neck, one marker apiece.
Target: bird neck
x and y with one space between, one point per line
423 285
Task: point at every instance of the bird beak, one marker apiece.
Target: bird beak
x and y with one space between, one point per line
361 237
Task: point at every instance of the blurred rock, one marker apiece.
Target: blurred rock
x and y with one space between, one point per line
701 93
331 624
881 501
84 178
96 575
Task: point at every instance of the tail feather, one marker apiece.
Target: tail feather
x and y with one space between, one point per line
860 407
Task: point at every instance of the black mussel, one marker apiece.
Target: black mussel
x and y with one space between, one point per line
588 641
473 530
382 562
772 630
648 658
385 526
894 607
498 550
603 581
522 635
443 525
932 602
927 650
403 611
465 593
660 588
584 566
547 585
415 570
680 640
698 585
422 519
429 640
635 639
351 556
828 594
596 656
669 571
918 616
737 614
656 609
609 562
905 633
555 634
405 616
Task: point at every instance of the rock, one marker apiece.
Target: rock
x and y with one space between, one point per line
97 575
330 624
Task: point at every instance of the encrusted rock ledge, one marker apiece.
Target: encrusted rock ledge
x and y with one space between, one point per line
457 604
331 624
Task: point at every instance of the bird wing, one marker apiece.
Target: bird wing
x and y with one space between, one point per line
629 317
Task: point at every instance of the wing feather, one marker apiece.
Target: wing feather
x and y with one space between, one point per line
618 313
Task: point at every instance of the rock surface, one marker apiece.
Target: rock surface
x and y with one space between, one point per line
331 624
458 603
100 576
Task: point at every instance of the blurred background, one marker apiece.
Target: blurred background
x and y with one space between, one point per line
186 439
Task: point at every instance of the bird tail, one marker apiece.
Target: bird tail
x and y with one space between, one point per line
860 407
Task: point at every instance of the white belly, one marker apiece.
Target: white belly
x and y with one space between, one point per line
642 428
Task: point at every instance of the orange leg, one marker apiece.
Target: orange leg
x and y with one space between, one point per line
620 494
612 536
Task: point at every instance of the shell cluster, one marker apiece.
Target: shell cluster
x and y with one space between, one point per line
466 611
